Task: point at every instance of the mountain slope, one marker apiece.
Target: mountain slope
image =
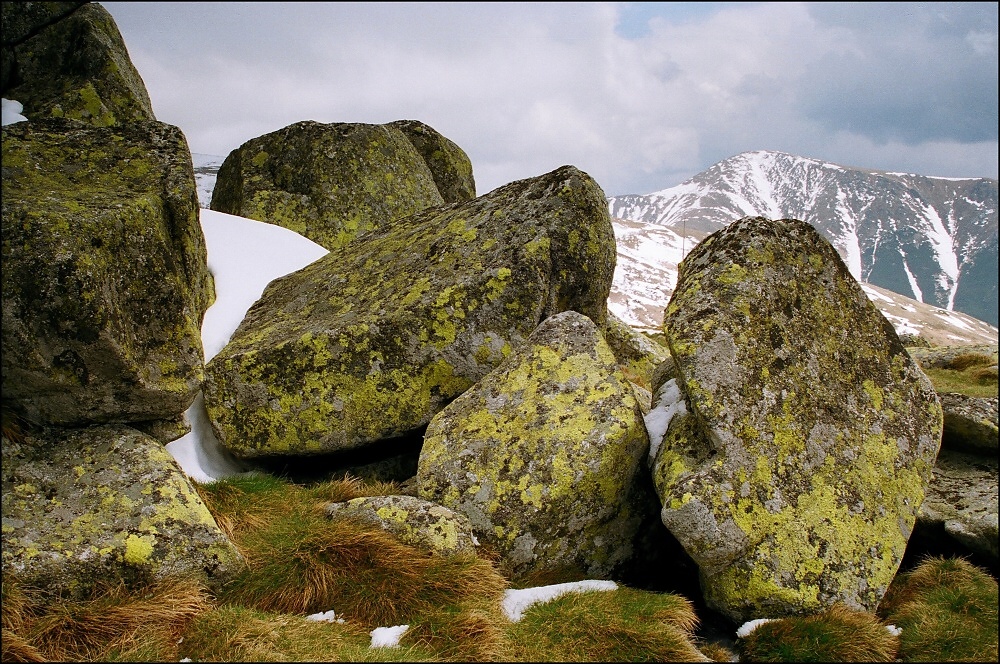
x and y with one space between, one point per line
932 239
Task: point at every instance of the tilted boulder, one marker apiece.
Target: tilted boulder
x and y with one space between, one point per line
962 500
794 471
448 163
417 522
68 60
372 340
327 182
105 279
107 503
970 423
543 454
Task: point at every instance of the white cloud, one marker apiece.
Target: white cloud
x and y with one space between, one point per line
527 87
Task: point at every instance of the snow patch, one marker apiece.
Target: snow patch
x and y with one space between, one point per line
10 112
516 602
746 628
387 637
669 402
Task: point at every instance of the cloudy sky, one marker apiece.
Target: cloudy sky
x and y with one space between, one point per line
640 95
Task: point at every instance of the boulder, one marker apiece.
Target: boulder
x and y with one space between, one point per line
794 470
544 455
970 423
637 354
963 500
105 279
448 163
417 522
68 60
107 503
327 182
372 340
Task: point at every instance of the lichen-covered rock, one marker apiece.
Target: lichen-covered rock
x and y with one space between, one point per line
70 61
105 278
448 163
327 182
543 454
794 473
81 506
414 521
637 354
970 423
372 340
963 499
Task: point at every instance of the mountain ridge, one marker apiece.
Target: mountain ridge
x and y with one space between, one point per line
929 238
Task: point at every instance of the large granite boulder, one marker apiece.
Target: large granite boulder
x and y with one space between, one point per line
448 163
544 454
794 471
105 279
970 423
327 182
962 501
372 340
417 522
68 60
102 504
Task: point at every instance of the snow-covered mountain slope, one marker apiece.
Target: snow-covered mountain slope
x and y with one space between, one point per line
932 239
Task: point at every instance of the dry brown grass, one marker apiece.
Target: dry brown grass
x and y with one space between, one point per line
967 360
113 622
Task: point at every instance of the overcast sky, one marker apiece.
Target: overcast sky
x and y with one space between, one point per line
640 95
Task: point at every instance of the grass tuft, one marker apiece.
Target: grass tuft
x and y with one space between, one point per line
947 609
300 562
616 626
967 360
111 623
972 374
839 634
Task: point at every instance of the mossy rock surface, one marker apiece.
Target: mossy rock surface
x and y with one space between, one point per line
414 521
327 182
448 163
71 63
637 354
102 504
795 476
543 454
375 338
105 278
963 500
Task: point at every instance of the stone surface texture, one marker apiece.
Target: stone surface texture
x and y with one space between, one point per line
794 477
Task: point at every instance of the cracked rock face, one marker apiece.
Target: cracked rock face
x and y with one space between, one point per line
963 498
794 474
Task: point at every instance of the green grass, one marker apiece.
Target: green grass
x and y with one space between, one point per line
301 562
839 634
972 374
947 609
622 625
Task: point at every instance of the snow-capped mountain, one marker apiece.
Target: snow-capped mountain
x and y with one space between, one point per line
931 239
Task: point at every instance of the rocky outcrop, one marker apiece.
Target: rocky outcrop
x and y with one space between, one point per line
413 521
448 163
794 471
963 501
68 60
372 340
328 182
105 280
104 504
637 354
543 454
970 423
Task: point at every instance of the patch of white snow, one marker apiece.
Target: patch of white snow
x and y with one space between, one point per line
387 637
516 602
